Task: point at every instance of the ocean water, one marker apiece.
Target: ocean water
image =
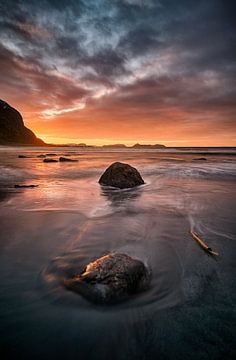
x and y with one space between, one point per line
69 220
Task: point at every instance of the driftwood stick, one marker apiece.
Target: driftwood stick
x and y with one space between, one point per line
202 244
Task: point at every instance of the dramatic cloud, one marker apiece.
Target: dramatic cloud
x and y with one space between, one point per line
127 70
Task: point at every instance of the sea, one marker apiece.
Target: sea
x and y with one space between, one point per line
68 219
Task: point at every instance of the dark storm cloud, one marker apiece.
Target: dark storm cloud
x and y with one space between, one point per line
42 86
140 40
152 95
106 63
151 54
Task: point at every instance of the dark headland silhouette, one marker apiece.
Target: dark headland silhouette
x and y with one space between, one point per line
14 132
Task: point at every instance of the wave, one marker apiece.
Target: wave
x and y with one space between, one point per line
210 170
8 174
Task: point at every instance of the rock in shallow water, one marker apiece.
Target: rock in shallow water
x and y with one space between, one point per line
49 160
25 186
121 175
110 279
64 159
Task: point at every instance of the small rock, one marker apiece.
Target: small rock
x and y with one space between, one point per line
49 160
22 156
200 159
25 186
111 278
63 159
41 156
121 175
51 154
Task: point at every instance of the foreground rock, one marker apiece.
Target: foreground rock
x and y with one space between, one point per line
12 128
50 160
121 175
63 159
110 279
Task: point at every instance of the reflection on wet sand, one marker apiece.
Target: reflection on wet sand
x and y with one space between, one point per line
5 195
119 197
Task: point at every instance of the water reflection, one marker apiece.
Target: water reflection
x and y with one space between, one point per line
118 197
5 194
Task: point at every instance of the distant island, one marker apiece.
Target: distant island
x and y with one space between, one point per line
147 146
135 146
112 146
13 132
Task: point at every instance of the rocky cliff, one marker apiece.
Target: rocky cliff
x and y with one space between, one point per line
12 129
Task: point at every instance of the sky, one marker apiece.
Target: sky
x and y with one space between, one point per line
122 71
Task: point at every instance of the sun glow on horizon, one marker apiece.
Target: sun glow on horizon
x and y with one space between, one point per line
50 139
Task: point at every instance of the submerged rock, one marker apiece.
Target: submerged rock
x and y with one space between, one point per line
121 175
110 279
49 160
63 159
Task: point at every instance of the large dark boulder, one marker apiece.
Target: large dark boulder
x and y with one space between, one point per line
110 279
121 176
12 129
